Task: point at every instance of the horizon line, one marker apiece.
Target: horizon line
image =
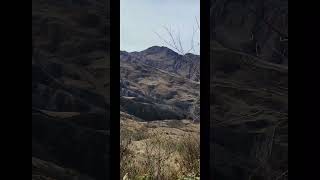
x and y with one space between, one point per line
132 51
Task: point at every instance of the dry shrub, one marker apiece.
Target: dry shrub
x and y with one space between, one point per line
188 148
127 156
160 150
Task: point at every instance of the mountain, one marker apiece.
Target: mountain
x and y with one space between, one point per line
163 58
248 94
159 115
249 89
70 89
156 84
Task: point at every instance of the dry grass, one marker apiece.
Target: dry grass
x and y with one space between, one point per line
159 153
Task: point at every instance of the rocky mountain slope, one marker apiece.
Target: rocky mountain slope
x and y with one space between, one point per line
70 89
154 87
159 115
163 58
249 90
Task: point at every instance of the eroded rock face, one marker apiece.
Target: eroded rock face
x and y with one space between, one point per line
151 89
166 59
70 89
249 90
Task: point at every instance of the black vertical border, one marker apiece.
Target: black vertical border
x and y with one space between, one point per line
115 89
205 89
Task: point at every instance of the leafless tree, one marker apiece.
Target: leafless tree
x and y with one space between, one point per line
174 41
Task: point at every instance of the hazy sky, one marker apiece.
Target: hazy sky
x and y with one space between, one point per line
140 19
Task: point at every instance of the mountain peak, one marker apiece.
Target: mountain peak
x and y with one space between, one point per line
159 49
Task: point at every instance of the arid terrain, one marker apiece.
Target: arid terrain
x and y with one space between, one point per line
159 103
160 136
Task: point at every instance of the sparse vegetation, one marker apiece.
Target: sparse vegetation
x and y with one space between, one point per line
159 155
189 150
162 90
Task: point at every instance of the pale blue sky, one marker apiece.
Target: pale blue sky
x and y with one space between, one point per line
140 19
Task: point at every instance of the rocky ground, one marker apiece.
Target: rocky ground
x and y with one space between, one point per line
151 90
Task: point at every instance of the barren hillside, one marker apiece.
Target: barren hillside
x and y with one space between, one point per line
70 89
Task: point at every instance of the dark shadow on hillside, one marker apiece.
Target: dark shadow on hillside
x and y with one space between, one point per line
70 89
249 90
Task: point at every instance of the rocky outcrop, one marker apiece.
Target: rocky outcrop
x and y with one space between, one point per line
163 58
151 89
